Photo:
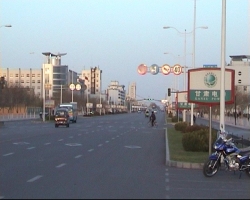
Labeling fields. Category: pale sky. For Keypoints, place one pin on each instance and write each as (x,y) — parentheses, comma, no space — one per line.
(119,35)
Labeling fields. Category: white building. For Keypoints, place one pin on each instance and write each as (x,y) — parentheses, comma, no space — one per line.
(27,78)
(241,65)
(131,91)
(56,76)
(116,93)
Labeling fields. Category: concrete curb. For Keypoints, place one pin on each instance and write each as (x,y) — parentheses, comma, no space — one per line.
(178,164)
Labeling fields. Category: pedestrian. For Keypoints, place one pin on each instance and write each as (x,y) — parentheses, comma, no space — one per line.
(194,118)
(152,118)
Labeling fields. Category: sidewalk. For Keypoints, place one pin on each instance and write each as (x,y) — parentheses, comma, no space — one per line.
(241,122)
(14,117)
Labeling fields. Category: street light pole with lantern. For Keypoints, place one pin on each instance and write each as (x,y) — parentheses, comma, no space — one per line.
(185,82)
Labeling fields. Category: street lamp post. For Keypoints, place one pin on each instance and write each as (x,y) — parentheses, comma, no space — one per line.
(7,26)
(185,33)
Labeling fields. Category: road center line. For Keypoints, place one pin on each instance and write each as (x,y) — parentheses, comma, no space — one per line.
(8,154)
(29,148)
(78,156)
(61,165)
(35,178)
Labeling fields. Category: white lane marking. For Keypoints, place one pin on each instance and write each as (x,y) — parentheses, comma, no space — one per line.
(8,154)
(133,147)
(113,138)
(61,165)
(35,178)
(117,136)
(107,141)
(29,148)
(47,143)
(100,145)
(79,156)
(90,150)
(21,143)
(60,140)
(70,136)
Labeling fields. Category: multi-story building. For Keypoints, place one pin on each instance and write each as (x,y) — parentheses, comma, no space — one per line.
(27,78)
(116,93)
(131,91)
(93,79)
(241,65)
(56,76)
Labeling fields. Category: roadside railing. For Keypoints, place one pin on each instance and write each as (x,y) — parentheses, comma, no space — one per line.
(240,140)
(8,117)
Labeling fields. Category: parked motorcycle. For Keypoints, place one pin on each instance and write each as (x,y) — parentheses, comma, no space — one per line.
(226,152)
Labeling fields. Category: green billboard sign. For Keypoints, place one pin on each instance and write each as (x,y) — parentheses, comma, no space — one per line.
(204,86)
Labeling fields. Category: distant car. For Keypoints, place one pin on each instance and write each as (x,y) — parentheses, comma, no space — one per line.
(147,113)
(62,117)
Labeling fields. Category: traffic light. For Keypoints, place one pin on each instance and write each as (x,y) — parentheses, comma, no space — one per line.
(149,99)
(169,92)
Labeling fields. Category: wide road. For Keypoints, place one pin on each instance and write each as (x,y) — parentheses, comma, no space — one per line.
(105,157)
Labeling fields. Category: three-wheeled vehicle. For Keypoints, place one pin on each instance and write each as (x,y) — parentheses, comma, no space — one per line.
(62,117)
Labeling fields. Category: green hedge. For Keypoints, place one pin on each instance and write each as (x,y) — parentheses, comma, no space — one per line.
(198,140)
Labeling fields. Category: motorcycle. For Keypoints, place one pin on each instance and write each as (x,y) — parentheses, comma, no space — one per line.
(234,158)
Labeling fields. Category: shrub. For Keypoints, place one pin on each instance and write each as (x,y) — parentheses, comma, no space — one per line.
(198,140)
(175,119)
(180,126)
(193,128)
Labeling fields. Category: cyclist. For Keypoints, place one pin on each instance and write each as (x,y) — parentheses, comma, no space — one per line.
(152,118)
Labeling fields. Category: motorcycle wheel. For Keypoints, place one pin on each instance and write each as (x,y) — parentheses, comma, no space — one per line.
(208,171)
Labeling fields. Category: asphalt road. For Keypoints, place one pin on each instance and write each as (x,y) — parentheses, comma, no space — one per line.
(105,157)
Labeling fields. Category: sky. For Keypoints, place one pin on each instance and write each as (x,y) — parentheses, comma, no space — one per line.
(119,35)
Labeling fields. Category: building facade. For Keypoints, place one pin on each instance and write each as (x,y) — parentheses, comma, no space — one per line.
(132,91)
(241,65)
(93,79)
(116,93)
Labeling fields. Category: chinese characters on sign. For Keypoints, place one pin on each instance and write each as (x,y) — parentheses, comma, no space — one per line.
(204,86)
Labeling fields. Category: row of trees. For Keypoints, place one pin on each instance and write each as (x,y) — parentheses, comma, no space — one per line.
(241,103)
(15,97)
